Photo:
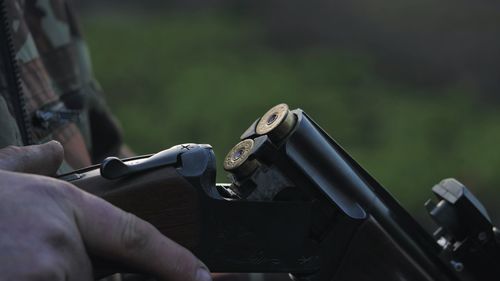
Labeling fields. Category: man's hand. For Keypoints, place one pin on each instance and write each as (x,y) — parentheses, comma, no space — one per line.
(49,229)
(43,159)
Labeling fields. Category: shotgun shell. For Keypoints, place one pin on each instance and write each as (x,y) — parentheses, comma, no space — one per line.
(276,123)
(237,162)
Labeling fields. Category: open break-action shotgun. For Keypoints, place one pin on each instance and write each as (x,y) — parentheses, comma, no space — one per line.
(297,203)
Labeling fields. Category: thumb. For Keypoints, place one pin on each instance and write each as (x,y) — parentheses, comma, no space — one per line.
(42,159)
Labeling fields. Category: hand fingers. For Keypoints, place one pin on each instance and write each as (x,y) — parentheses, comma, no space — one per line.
(115,235)
(42,159)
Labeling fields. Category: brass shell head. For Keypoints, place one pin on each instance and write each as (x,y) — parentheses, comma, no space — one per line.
(236,160)
(276,123)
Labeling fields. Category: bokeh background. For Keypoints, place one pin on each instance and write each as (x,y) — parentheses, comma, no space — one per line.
(410,89)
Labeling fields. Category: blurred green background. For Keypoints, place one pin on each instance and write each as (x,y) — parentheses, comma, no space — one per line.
(410,93)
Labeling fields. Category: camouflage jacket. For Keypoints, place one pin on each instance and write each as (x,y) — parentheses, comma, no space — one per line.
(58,95)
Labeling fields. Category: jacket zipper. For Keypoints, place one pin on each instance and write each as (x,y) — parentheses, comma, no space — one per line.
(12,76)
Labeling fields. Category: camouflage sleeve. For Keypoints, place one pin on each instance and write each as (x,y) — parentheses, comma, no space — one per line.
(61,93)
(104,133)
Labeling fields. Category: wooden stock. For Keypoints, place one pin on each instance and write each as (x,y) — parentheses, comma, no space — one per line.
(161,197)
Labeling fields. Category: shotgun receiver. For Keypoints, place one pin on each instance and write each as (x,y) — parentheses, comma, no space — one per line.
(297,203)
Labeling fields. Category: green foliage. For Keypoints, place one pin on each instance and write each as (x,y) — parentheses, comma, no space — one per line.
(206,79)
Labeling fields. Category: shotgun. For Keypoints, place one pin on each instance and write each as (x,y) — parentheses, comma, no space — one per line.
(297,203)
